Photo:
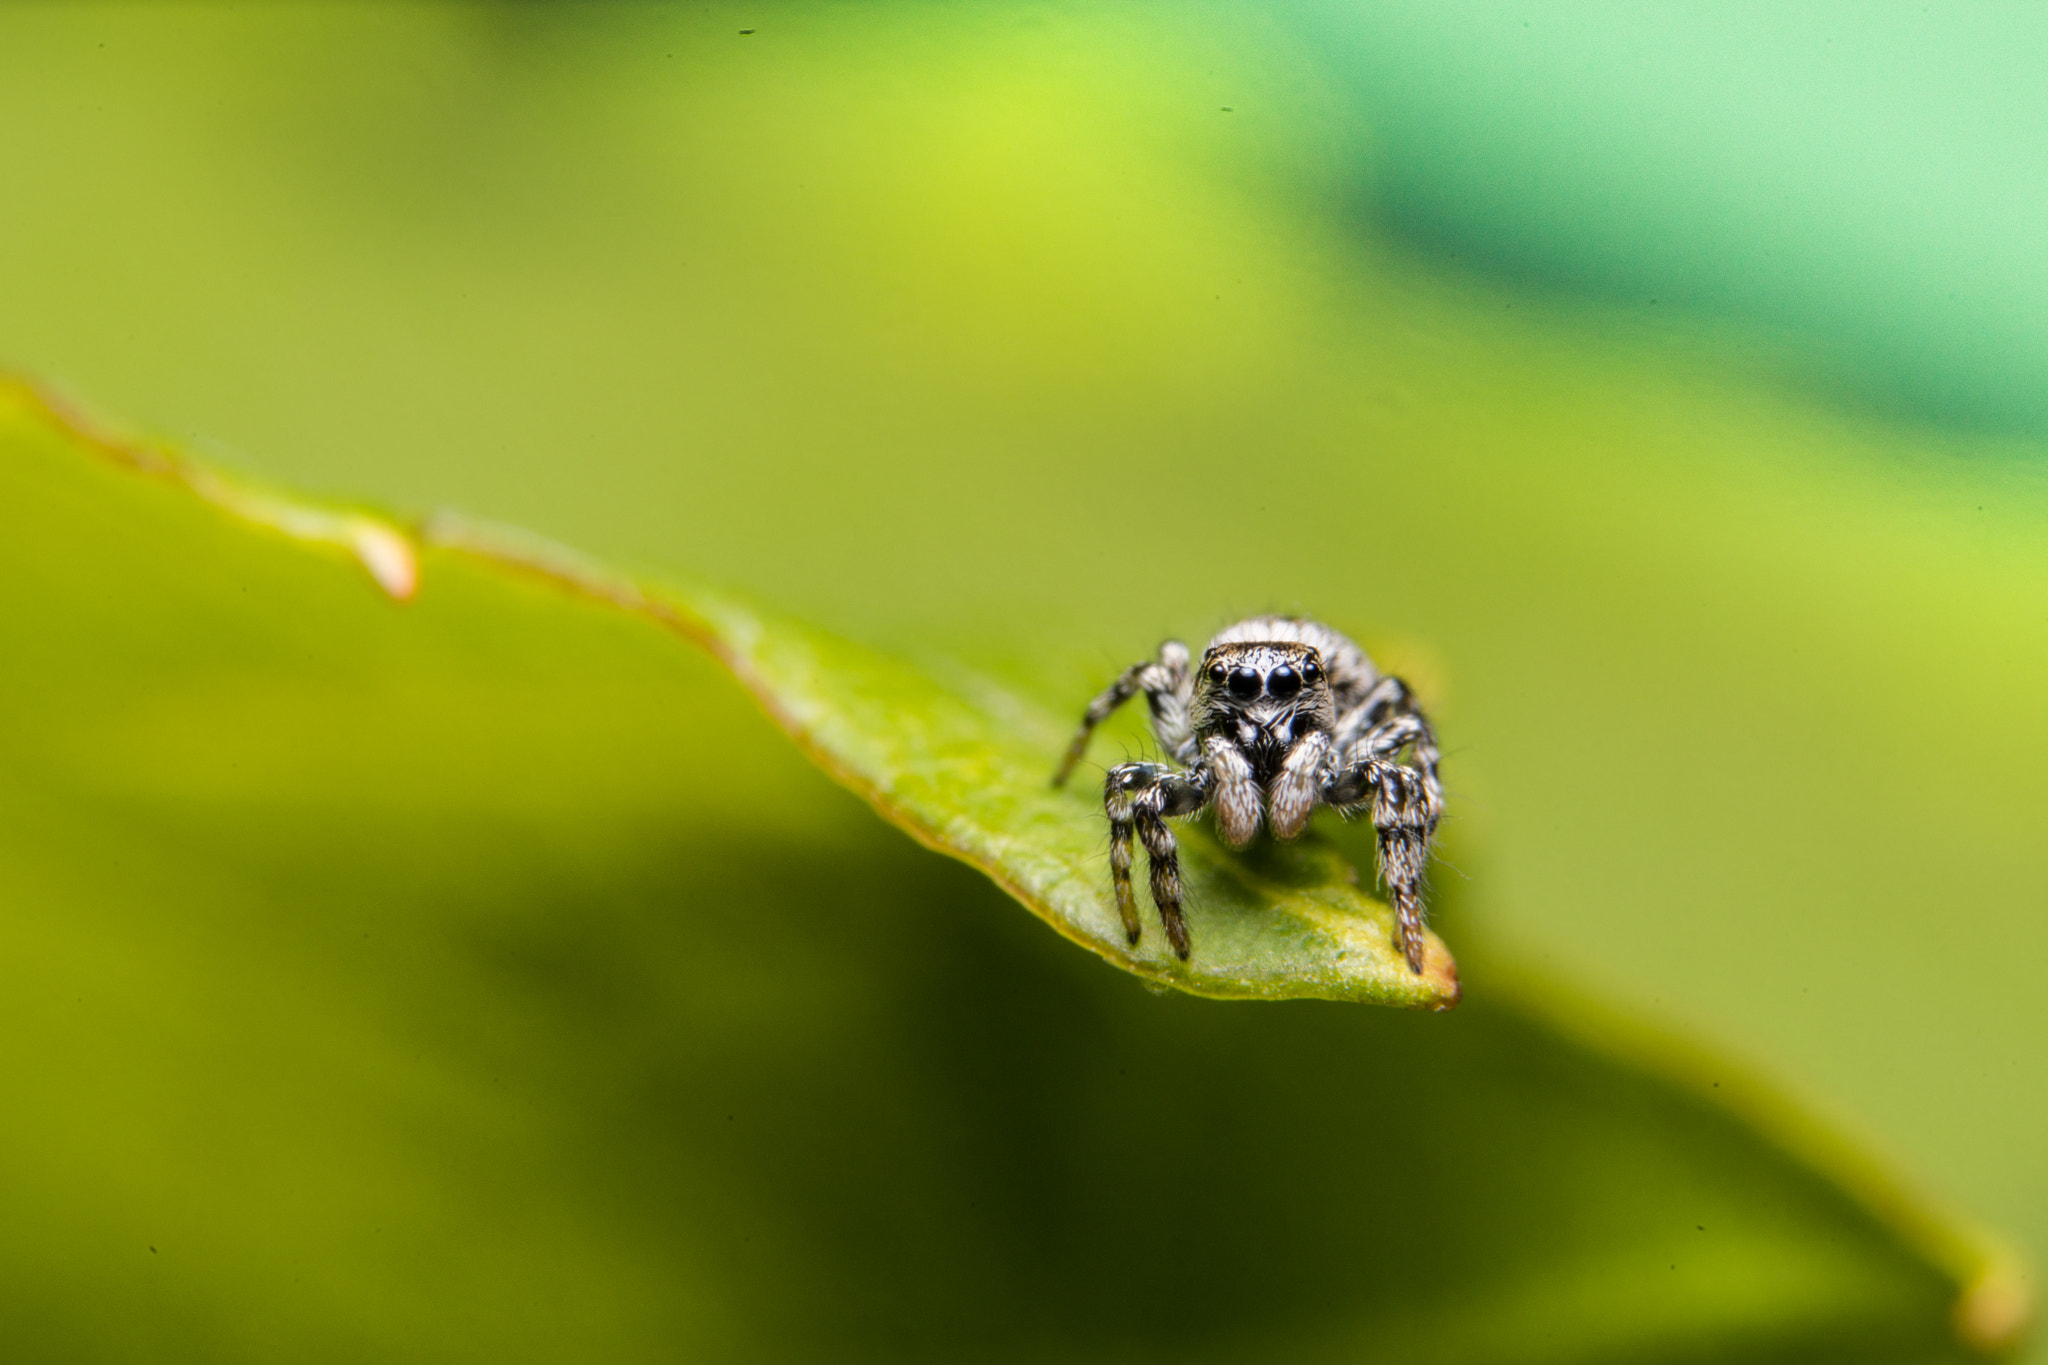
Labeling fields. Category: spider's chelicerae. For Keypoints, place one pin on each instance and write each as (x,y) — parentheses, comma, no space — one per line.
(1282,716)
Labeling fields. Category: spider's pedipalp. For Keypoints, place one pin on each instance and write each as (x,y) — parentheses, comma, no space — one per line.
(1298,787)
(1237,791)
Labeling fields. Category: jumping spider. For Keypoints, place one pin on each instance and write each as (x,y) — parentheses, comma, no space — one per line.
(1283,715)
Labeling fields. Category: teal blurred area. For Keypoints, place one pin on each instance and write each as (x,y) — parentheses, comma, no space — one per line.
(1657,387)
(1865,182)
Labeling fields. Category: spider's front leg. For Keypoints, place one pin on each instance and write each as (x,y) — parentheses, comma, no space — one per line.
(1168,689)
(1406,801)
(1138,797)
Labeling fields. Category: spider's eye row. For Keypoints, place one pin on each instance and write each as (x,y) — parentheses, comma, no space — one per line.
(1244,684)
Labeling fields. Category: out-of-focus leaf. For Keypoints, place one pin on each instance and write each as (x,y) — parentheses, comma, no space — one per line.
(481,978)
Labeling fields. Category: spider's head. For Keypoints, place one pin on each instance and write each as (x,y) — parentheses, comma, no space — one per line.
(1264,694)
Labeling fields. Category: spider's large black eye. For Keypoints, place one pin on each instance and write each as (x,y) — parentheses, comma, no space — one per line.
(1217,673)
(1283,682)
(1244,684)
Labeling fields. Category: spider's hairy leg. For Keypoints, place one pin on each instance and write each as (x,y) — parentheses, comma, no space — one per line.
(1137,798)
(1406,801)
(1173,722)
(1389,696)
(1166,685)
(1298,787)
(1404,828)
(1120,832)
(1164,857)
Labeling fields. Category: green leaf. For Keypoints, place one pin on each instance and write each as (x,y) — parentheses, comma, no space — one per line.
(482,978)
(961,763)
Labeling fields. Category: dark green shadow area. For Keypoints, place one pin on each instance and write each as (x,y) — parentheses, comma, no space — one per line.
(483,978)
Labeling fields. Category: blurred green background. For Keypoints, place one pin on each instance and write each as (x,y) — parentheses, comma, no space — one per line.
(1660,385)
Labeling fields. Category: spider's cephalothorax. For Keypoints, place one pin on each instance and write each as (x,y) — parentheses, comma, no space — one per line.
(1280,716)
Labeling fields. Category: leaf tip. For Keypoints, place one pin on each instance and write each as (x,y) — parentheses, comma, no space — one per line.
(1996,1307)
(386,555)
(384,551)
(1440,973)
